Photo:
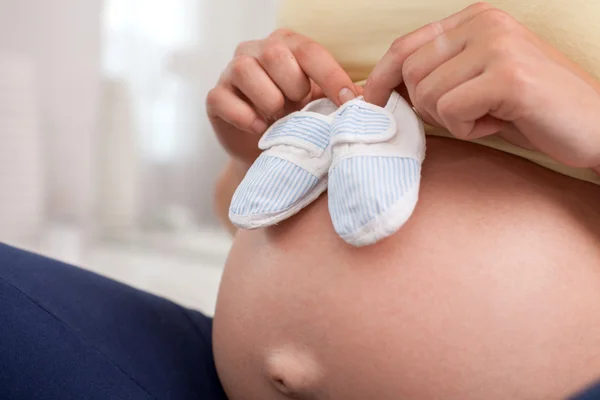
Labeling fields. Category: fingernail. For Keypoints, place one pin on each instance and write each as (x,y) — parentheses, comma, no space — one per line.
(346,95)
(259,126)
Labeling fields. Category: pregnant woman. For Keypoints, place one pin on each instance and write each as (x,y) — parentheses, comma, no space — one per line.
(492,289)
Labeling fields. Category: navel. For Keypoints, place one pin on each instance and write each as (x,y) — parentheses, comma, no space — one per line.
(295,372)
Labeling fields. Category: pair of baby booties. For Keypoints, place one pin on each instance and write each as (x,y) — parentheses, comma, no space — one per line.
(368,157)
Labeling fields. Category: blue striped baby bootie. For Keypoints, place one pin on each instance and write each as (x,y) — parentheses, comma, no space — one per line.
(291,172)
(375,174)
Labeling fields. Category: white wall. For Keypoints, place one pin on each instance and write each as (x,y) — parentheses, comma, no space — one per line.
(168,58)
(21,162)
(63,38)
(227,23)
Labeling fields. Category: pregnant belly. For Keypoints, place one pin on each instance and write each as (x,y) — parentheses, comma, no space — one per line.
(492,290)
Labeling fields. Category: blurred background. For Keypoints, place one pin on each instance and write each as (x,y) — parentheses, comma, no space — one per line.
(106,157)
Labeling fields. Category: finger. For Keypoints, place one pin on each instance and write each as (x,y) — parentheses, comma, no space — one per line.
(486,126)
(244,49)
(251,79)
(511,134)
(422,111)
(250,48)
(432,55)
(387,74)
(283,68)
(443,79)
(403,91)
(223,104)
(315,93)
(320,66)
(428,119)
(463,109)
(241,147)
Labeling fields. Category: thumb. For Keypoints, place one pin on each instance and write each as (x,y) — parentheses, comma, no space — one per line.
(317,93)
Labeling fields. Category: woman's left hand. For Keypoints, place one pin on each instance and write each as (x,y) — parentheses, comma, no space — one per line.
(480,72)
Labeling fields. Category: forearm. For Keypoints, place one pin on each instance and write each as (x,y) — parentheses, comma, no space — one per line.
(228,181)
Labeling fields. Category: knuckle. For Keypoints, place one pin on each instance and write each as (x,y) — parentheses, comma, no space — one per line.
(242,48)
(497,19)
(399,48)
(307,48)
(282,32)
(502,46)
(213,100)
(480,6)
(241,64)
(446,111)
(517,77)
(212,97)
(436,27)
(424,97)
(274,104)
(410,72)
(274,52)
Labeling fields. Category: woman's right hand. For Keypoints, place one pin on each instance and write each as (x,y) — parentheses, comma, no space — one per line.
(268,79)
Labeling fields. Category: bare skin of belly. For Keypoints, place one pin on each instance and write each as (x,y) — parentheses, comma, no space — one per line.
(491,291)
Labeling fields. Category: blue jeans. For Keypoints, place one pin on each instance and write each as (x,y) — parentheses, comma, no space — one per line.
(66,333)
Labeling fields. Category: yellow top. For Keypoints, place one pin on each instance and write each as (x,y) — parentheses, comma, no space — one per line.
(359,32)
